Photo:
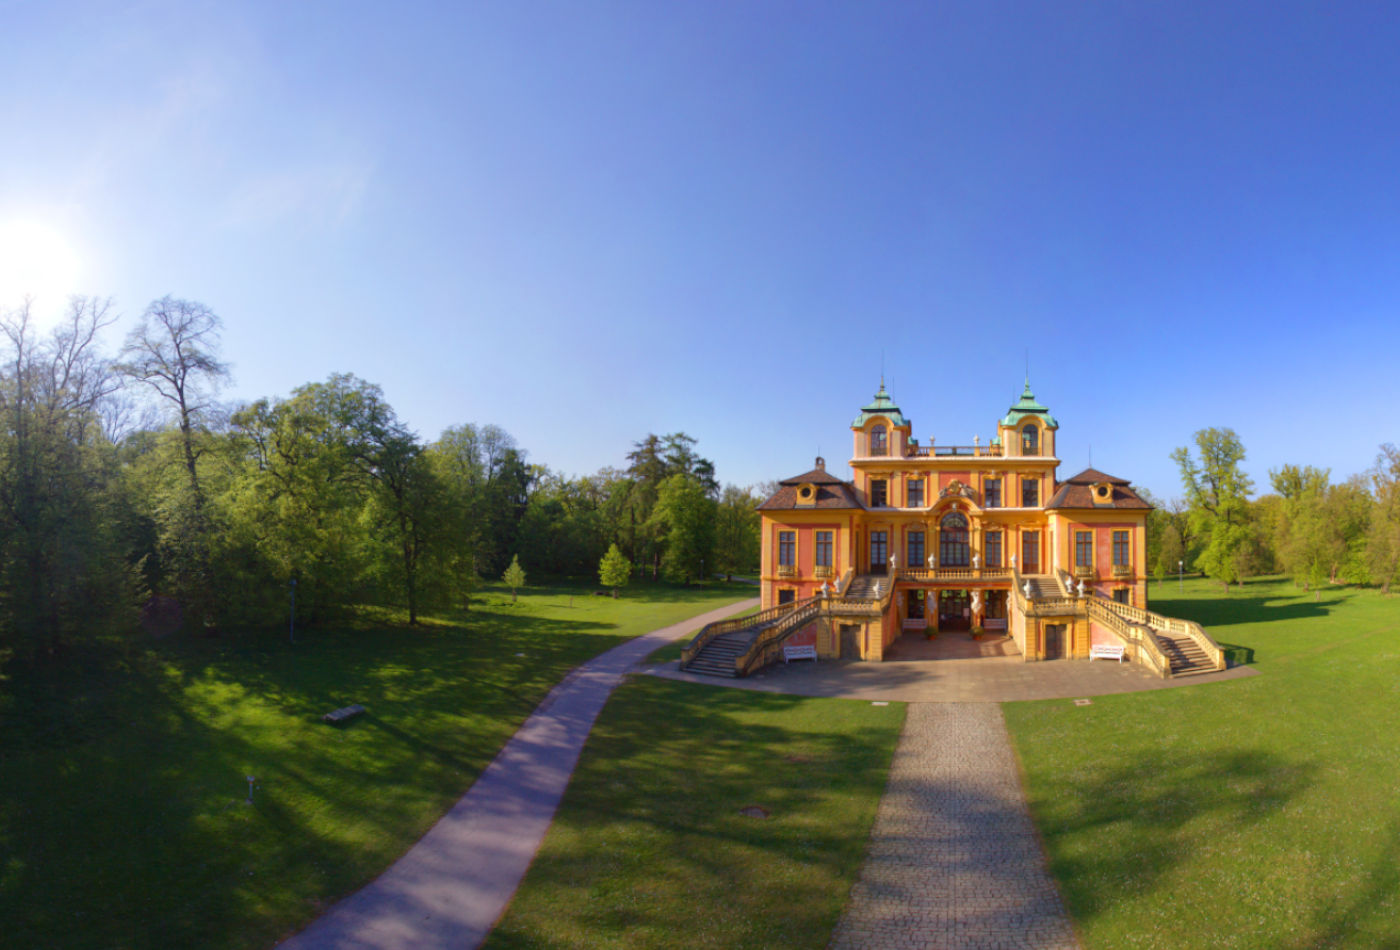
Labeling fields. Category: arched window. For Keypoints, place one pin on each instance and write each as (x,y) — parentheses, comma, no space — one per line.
(1030,440)
(878,444)
(952,541)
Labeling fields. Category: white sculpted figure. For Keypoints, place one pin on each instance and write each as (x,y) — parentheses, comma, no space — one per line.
(976,562)
(894,561)
(1028,590)
(1081,588)
(930,562)
(1013,560)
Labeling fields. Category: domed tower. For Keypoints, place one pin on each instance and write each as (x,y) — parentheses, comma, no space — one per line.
(881,429)
(1028,429)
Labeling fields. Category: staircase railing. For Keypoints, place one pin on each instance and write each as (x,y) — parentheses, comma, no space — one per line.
(1044,605)
(1142,644)
(733,625)
(764,647)
(1169,625)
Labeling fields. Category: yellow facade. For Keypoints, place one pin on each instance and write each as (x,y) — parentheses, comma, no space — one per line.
(938,534)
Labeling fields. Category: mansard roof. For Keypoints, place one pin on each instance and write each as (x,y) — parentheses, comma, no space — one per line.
(882,406)
(1078,492)
(1029,408)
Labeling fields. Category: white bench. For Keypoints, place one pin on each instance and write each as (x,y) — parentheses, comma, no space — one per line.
(809,652)
(1106,651)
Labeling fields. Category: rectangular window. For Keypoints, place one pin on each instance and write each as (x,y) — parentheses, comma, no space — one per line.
(993,549)
(1030,493)
(879,493)
(1030,552)
(991,490)
(916,549)
(787,548)
(823,549)
(1120,549)
(916,493)
(879,551)
(1124,595)
(1083,549)
(787,596)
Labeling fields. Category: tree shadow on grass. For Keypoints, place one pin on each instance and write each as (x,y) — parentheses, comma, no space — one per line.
(1234,609)
(651,847)
(1364,916)
(1113,832)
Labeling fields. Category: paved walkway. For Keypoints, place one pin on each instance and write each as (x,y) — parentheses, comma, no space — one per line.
(954,861)
(453,885)
(988,679)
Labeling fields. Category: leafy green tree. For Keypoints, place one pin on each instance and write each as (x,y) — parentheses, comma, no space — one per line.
(737,531)
(614,570)
(488,482)
(1217,492)
(684,523)
(651,462)
(63,575)
(514,577)
(1383,536)
(1306,540)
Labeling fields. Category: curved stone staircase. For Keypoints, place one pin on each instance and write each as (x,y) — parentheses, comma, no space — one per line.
(733,648)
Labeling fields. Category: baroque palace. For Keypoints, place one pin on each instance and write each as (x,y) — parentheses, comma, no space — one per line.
(934,540)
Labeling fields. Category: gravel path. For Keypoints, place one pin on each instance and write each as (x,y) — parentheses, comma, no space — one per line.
(954,861)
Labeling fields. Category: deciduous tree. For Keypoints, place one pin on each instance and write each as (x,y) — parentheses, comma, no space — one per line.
(514,577)
(614,570)
(1217,491)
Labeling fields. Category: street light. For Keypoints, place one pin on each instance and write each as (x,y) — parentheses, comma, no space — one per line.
(1179,565)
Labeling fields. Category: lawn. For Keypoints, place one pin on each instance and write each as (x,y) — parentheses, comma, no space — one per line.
(1261,812)
(649,847)
(122,782)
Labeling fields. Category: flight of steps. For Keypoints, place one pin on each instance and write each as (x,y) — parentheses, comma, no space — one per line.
(1186,656)
(1042,587)
(717,657)
(866,587)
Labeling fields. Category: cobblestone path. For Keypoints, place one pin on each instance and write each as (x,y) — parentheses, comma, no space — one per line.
(954,861)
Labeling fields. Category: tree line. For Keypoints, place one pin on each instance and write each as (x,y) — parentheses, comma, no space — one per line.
(128,490)
(1309,527)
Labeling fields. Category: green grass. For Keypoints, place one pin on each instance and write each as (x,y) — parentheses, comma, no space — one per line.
(122,822)
(649,848)
(1261,812)
(671,652)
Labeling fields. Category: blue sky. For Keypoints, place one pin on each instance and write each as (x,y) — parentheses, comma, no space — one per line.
(587,221)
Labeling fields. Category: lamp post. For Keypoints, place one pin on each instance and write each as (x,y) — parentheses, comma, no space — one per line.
(292,622)
(1179,565)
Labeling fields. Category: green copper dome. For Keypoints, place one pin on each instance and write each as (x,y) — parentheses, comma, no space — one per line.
(882,406)
(1029,407)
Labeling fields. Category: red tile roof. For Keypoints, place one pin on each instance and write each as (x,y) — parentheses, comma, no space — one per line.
(1078,492)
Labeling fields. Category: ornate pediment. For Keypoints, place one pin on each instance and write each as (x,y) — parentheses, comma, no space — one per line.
(956,489)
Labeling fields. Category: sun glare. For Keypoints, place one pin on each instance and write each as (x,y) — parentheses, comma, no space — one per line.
(36,260)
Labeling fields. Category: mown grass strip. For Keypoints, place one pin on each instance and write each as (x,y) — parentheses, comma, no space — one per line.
(650,847)
(1262,812)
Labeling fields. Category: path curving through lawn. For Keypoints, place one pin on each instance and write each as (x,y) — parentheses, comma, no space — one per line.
(453,885)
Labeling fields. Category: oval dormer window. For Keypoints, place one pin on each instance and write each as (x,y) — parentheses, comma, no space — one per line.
(1030,440)
(879,445)
(805,493)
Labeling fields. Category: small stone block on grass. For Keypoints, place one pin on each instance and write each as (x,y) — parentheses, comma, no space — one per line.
(342,714)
